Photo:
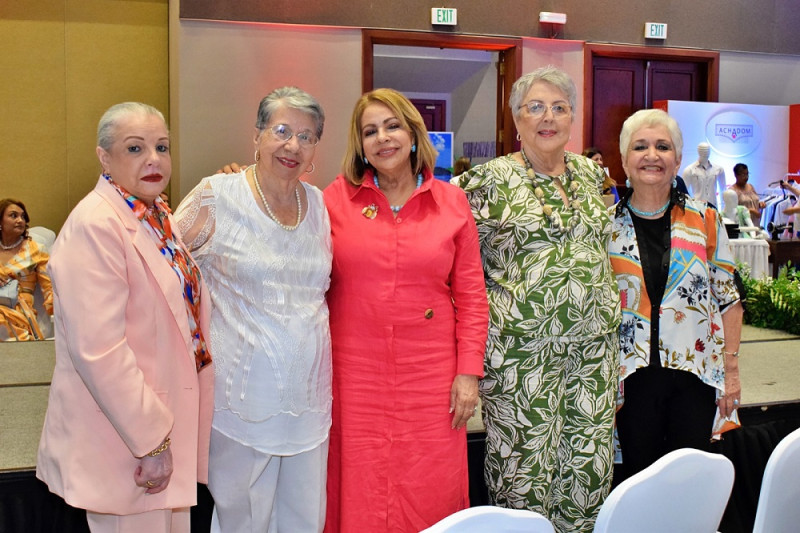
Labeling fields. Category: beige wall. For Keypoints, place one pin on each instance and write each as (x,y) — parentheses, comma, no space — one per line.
(64,62)
(226,68)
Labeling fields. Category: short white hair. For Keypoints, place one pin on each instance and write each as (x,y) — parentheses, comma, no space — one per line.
(649,118)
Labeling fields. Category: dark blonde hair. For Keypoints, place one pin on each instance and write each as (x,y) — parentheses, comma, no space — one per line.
(461,165)
(353,165)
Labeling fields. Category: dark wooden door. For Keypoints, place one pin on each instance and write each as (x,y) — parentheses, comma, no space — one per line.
(619,89)
(434,113)
(676,80)
(622,80)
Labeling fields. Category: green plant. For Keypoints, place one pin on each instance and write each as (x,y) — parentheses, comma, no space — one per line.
(773,303)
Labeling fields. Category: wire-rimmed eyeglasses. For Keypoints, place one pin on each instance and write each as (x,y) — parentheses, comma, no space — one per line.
(284,133)
(537,109)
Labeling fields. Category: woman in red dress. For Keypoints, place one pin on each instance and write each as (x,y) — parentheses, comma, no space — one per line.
(409,320)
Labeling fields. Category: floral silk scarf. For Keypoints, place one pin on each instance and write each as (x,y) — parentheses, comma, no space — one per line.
(156,220)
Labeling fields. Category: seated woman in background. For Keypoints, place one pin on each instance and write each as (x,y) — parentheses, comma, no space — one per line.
(609,185)
(23,264)
(461,165)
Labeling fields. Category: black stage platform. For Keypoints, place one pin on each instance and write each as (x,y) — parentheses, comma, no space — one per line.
(26,506)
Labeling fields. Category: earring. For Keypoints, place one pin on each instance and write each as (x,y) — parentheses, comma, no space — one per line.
(674,182)
(312,169)
(366,162)
(519,137)
(413,148)
(257,156)
(628,182)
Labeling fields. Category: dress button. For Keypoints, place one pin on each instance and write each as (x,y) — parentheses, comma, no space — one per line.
(398,220)
(429,313)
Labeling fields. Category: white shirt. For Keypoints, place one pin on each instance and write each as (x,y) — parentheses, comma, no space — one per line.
(705,182)
(270,338)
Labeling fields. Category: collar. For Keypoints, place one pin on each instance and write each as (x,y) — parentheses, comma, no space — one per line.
(139,208)
(426,187)
(676,198)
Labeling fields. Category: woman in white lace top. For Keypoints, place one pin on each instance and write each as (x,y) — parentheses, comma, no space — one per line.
(262,240)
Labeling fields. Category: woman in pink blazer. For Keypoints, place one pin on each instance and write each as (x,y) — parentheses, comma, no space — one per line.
(128,420)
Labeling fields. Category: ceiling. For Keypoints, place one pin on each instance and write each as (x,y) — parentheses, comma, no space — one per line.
(424,69)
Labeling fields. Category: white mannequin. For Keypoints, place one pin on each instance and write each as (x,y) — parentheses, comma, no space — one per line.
(705,180)
(729,202)
(732,212)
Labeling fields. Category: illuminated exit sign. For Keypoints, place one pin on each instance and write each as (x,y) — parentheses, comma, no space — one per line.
(443,16)
(655,30)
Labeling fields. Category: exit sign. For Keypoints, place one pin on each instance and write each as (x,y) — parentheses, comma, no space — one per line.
(443,16)
(655,30)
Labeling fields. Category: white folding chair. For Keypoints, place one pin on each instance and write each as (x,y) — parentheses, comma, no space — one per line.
(44,236)
(779,502)
(486,518)
(686,490)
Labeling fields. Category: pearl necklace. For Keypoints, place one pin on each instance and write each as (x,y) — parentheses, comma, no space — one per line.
(648,213)
(14,245)
(396,208)
(553,217)
(269,209)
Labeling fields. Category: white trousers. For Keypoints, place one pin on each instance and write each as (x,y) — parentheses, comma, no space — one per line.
(258,492)
(159,521)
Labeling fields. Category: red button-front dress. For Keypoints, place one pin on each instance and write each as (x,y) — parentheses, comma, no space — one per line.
(408,312)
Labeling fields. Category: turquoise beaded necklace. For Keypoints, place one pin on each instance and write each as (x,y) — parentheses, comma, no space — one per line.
(396,208)
(648,213)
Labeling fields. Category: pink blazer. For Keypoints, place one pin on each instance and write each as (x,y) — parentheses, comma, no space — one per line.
(125,375)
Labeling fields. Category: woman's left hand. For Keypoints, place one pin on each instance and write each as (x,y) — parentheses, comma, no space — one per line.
(733,388)
(463,399)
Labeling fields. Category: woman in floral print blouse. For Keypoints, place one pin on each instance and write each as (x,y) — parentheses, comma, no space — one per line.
(679,338)
(550,372)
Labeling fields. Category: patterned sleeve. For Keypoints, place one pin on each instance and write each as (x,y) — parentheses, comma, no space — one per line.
(44,280)
(477,184)
(721,265)
(196,216)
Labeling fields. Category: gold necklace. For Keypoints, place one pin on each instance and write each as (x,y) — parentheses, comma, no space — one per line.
(556,225)
(269,210)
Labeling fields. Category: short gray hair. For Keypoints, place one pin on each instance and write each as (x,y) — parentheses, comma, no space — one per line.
(549,74)
(106,128)
(649,118)
(293,98)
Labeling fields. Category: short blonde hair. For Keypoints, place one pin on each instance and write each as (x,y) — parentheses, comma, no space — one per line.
(353,165)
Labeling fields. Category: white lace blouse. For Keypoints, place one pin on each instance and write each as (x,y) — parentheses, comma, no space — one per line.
(270,338)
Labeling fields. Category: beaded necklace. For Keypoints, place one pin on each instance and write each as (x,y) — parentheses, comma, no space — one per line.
(396,208)
(648,213)
(571,186)
(269,209)
(13,245)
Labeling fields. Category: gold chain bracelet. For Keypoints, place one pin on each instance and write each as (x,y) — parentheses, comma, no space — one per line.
(161,449)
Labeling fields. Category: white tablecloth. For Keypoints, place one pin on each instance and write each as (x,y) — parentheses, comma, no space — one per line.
(753,252)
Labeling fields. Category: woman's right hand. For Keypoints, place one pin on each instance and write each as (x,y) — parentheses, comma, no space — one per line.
(154,473)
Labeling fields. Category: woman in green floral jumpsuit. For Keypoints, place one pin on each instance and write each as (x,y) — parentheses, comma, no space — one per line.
(549,390)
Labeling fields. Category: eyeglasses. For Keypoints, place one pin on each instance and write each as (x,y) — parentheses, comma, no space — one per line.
(284,133)
(537,109)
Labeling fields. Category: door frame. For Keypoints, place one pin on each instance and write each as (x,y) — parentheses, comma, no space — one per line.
(590,51)
(510,51)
